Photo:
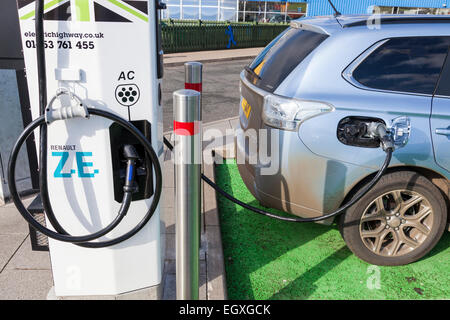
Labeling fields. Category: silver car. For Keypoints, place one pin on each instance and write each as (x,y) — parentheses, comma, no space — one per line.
(312,87)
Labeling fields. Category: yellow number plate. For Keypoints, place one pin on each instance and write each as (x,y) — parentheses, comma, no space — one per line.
(246,107)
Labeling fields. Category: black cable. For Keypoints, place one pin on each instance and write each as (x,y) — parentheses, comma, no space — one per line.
(168,144)
(40,55)
(339,211)
(29,217)
(42,85)
(60,233)
(43,186)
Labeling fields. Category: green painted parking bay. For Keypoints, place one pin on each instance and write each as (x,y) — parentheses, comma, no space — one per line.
(271,259)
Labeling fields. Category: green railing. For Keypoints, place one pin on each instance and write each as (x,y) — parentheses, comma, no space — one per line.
(197,35)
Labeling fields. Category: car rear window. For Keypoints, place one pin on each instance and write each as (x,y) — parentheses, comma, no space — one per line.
(443,87)
(404,65)
(281,56)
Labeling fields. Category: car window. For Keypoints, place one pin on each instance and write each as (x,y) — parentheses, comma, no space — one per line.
(405,65)
(443,87)
(281,56)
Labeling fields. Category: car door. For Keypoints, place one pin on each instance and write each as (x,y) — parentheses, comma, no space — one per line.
(395,77)
(440,118)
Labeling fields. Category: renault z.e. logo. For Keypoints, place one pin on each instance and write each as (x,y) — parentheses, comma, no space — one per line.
(82,165)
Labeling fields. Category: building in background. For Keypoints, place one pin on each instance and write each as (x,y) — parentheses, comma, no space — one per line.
(270,11)
(217,10)
(235,10)
(321,7)
(285,11)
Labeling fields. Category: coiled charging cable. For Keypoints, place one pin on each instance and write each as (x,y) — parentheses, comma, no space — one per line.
(46,117)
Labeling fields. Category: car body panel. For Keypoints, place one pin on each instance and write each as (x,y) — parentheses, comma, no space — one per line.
(440,130)
(440,119)
(316,171)
(319,183)
(320,133)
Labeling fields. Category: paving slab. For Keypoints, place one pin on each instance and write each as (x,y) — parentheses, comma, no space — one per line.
(9,244)
(217,289)
(168,174)
(170,267)
(11,222)
(167,195)
(170,246)
(209,200)
(25,284)
(218,137)
(170,287)
(214,134)
(170,284)
(27,259)
(234,122)
(169,218)
(221,125)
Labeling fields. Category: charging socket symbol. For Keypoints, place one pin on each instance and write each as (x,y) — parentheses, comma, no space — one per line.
(127,94)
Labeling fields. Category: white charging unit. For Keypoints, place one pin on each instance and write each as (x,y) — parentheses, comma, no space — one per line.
(108,53)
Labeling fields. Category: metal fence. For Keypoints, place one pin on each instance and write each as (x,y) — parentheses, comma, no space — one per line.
(197,35)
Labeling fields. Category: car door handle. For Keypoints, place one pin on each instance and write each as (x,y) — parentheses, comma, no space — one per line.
(444,132)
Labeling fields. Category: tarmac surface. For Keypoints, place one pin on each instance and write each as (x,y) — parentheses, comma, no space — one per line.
(220,90)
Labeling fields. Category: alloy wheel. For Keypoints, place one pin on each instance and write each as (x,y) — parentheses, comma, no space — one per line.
(396,223)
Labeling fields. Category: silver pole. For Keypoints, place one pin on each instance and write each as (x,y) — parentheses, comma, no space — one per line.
(187,132)
(285,12)
(193,75)
(265,11)
(193,79)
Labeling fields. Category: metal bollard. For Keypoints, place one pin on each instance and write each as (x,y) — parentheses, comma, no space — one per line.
(193,76)
(187,157)
(193,79)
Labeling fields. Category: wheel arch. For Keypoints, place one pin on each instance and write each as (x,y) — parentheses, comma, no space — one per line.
(441,182)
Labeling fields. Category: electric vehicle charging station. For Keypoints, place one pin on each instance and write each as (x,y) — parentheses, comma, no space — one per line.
(100,146)
(105,57)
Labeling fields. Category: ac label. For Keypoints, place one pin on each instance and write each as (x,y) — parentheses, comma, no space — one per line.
(126,75)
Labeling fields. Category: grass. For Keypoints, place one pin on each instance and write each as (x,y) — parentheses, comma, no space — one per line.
(271,259)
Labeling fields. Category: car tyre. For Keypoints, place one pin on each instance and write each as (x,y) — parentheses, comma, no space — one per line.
(376,231)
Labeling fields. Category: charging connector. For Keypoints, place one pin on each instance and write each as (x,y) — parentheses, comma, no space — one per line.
(379,130)
(131,156)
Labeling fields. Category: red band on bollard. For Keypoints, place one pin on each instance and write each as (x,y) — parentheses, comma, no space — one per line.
(185,128)
(193,86)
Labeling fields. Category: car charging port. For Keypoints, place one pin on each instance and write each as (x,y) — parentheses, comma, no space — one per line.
(359,132)
(379,131)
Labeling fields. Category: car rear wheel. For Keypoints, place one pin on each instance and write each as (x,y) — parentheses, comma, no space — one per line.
(398,222)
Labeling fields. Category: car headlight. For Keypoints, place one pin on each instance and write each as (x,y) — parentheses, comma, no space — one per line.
(288,113)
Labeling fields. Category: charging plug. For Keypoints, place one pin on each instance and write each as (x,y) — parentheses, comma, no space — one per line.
(379,130)
(131,156)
